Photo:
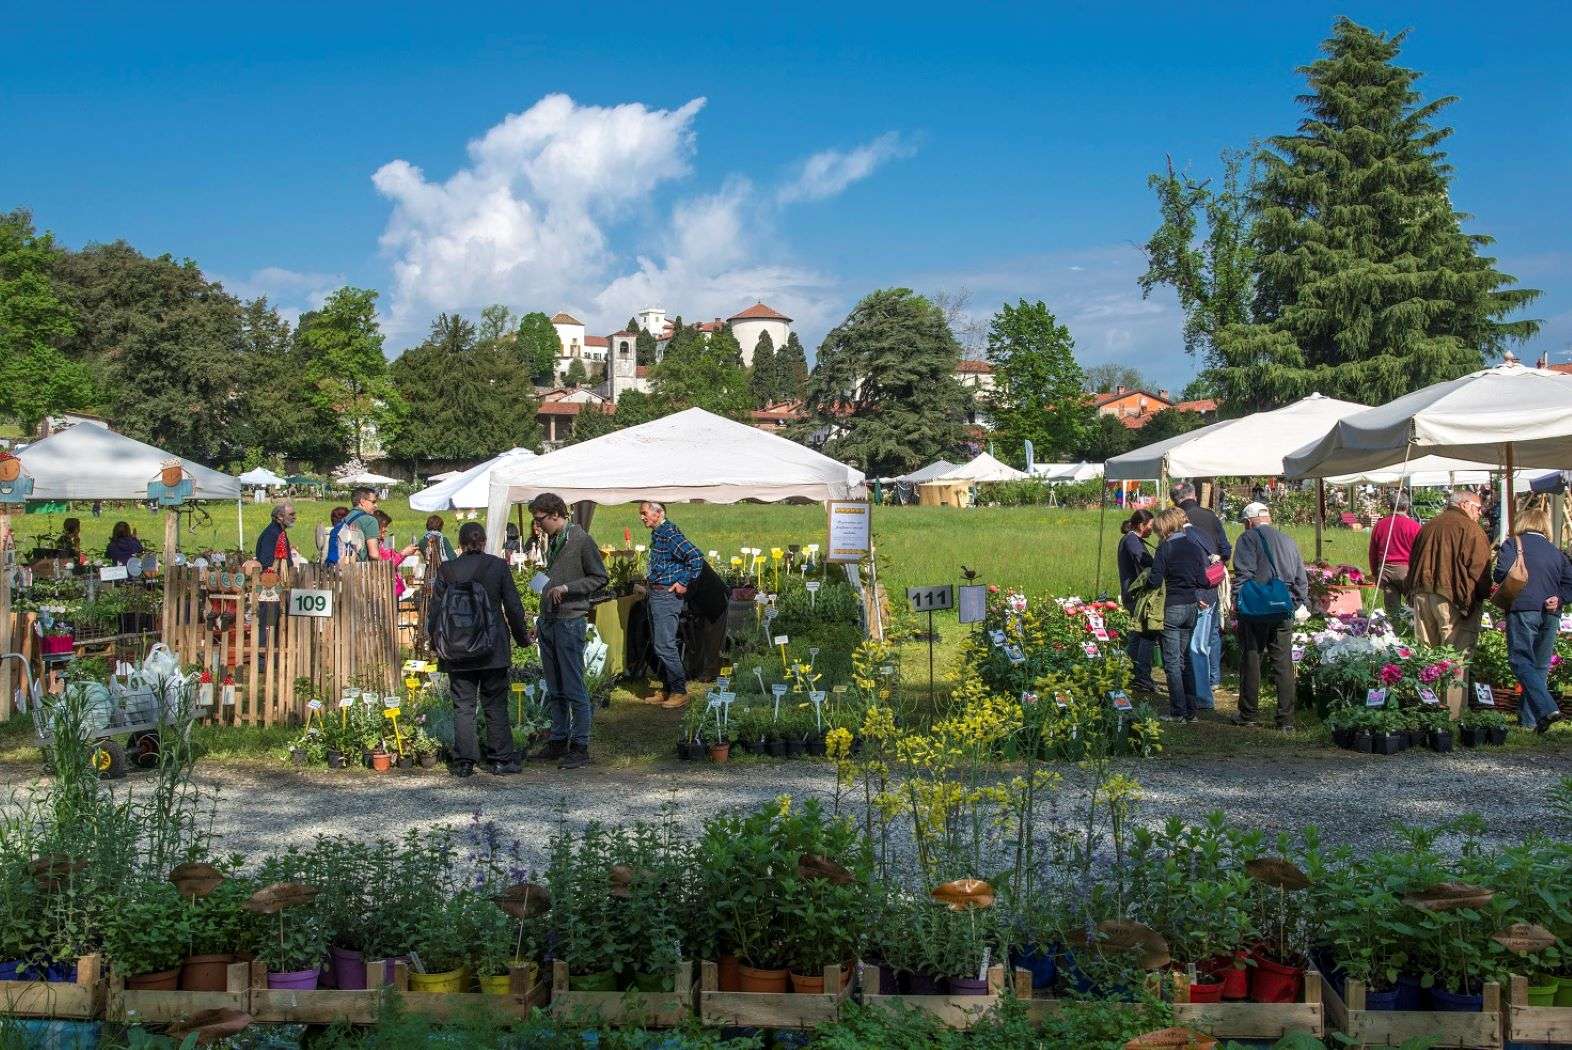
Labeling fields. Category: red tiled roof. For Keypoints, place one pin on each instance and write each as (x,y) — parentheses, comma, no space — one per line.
(1204,405)
(779,412)
(974,367)
(572,408)
(619,335)
(597,340)
(711,326)
(1109,396)
(760,312)
(565,319)
(1565,370)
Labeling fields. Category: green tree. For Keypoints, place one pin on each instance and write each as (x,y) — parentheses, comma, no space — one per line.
(496,322)
(1038,395)
(791,362)
(576,376)
(696,372)
(884,391)
(538,347)
(36,377)
(1367,286)
(278,416)
(1108,437)
(1170,422)
(1106,377)
(462,397)
(345,367)
(764,380)
(644,347)
(164,343)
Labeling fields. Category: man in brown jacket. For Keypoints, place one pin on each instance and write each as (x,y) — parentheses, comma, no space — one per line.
(1449,574)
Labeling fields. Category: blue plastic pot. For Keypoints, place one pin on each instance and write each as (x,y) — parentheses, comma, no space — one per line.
(1443,1001)
(1409,995)
(1386,1000)
(8,969)
(1039,963)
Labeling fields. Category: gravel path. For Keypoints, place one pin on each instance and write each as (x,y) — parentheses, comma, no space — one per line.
(1353,799)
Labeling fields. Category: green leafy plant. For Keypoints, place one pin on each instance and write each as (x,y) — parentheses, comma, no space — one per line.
(147,931)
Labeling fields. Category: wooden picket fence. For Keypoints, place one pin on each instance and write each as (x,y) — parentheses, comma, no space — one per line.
(229,627)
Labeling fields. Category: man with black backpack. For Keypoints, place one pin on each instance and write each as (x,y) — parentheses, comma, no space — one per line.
(474,607)
(1272,587)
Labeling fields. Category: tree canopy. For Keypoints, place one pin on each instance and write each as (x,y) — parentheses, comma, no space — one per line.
(1038,391)
(36,377)
(538,346)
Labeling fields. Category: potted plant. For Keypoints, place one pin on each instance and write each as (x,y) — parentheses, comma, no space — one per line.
(442,942)
(286,935)
(1280,921)
(58,639)
(425,747)
(585,930)
(743,861)
(1435,728)
(825,899)
(720,740)
(216,924)
(518,941)
(145,936)
(1478,728)
(960,934)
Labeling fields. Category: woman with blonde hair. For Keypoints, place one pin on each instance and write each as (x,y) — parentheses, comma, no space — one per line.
(1180,566)
(1534,618)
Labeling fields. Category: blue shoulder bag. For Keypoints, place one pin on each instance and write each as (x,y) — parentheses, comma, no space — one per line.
(1269,602)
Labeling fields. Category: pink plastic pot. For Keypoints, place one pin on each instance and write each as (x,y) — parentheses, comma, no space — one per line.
(57,644)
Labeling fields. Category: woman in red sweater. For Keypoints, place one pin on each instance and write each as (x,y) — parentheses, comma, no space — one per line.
(1391,542)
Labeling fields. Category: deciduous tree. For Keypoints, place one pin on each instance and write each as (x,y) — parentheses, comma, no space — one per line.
(345,366)
(538,347)
(36,377)
(1038,391)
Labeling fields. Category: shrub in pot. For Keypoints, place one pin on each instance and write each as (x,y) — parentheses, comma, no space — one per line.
(286,934)
(145,935)
(1281,918)
(956,942)
(824,896)
(744,861)
(442,942)
(217,923)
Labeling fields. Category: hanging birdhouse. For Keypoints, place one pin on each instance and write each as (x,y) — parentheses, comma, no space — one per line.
(15,487)
(172,487)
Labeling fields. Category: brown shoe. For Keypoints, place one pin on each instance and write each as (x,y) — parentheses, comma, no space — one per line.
(676,702)
(657,698)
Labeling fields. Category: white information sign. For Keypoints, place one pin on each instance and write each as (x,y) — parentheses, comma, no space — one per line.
(304,602)
(113,572)
(851,531)
(973,603)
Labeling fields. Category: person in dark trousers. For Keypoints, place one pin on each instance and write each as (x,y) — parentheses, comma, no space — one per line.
(1214,537)
(574,571)
(1180,563)
(123,544)
(1534,620)
(1264,554)
(1134,558)
(273,547)
(674,565)
(481,680)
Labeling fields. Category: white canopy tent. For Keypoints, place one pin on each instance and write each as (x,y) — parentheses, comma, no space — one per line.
(1508,416)
(445,475)
(261,478)
(366,477)
(1057,472)
(1251,446)
(938,468)
(689,455)
(984,468)
(469,488)
(90,461)
(1434,472)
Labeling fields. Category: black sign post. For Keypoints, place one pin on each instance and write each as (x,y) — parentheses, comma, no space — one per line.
(931,600)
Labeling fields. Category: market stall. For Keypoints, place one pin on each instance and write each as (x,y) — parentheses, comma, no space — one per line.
(466,489)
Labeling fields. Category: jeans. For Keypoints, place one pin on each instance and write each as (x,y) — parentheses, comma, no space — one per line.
(1217,651)
(1531,641)
(665,611)
(562,660)
(1139,647)
(490,689)
(1178,625)
(1205,648)
(1277,641)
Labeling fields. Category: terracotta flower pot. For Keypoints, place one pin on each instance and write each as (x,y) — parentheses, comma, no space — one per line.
(205,973)
(161,981)
(754,980)
(381,762)
(719,753)
(726,971)
(807,985)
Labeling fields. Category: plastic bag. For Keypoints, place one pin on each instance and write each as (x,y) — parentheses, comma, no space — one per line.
(595,650)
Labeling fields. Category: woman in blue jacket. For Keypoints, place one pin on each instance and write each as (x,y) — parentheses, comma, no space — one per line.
(1134,559)
(1535,617)
(1180,563)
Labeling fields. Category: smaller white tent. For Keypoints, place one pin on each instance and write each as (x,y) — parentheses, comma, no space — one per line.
(1472,418)
(1057,472)
(984,468)
(366,477)
(468,488)
(261,478)
(1434,472)
(90,461)
(937,469)
(689,455)
(445,475)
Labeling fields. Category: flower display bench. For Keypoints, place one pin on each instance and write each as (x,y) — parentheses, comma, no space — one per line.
(770,1009)
(1254,1021)
(952,1011)
(646,1009)
(125,1006)
(1535,1024)
(80,1000)
(526,991)
(1469,1031)
(317,1006)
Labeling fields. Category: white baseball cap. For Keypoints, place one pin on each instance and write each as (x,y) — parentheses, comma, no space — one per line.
(1255,510)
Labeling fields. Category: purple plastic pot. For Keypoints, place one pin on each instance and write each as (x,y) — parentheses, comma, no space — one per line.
(296,981)
(922,984)
(968,986)
(349,968)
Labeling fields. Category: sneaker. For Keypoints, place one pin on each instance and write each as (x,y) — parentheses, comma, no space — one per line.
(1241,720)
(676,702)
(1170,718)
(575,758)
(551,751)
(657,698)
(462,769)
(503,769)
(1192,720)
(1543,725)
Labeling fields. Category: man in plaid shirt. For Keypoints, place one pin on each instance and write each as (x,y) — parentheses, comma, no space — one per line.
(674,565)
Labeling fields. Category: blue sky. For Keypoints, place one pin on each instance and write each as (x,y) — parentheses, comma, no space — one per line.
(602,158)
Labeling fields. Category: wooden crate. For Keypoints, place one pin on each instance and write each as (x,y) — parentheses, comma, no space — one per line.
(137,1007)
(953,1011)
(1259,1021)
(82,1000)
(646,1009)
(319,1006)
(526,991)
(1535,1024)
(770,1009)
(1481,1031)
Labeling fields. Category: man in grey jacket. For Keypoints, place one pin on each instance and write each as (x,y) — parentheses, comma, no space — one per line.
(574,571)
(1264,554)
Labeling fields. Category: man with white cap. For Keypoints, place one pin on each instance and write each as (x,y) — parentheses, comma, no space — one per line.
(1263,555)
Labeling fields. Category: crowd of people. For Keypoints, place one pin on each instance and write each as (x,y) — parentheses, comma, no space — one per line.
(1174,580)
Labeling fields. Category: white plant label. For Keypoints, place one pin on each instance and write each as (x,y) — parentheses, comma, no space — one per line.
(1091,650)
(1100,634)
(229,694)
(346,701)
(1428,696)
(997,636)
(1483,695)
(779,689)
(313,705)
(1298,653)
(113,572)
(813,586)
(781,639)
(1014,654)
(1062,699)
(310,603)
(1121,700)
(1375,698)
(1094,621)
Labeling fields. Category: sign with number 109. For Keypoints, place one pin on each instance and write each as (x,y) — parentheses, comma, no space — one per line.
(310,603)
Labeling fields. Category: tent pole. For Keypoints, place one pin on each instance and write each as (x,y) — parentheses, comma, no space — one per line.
(1508,515)
(5,613)
(240,525)
(1320,514)
(1102,517)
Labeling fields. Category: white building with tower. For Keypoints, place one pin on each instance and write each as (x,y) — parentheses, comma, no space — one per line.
(757,319)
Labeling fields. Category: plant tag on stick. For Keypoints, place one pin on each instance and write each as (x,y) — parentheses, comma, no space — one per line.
(1100,634)
(1121,700)
(1014,655)
(1428,696)
(1375,698)
(1091,650)
(1483,695)
(1062,699)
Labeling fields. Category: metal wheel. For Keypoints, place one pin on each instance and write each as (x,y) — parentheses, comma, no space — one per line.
(109,758)
(143,748)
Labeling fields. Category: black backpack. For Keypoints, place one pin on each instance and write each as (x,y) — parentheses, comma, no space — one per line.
(465,628)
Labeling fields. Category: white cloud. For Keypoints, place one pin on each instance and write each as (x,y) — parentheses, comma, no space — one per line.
(829,172)
(544,212)
(291,292)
